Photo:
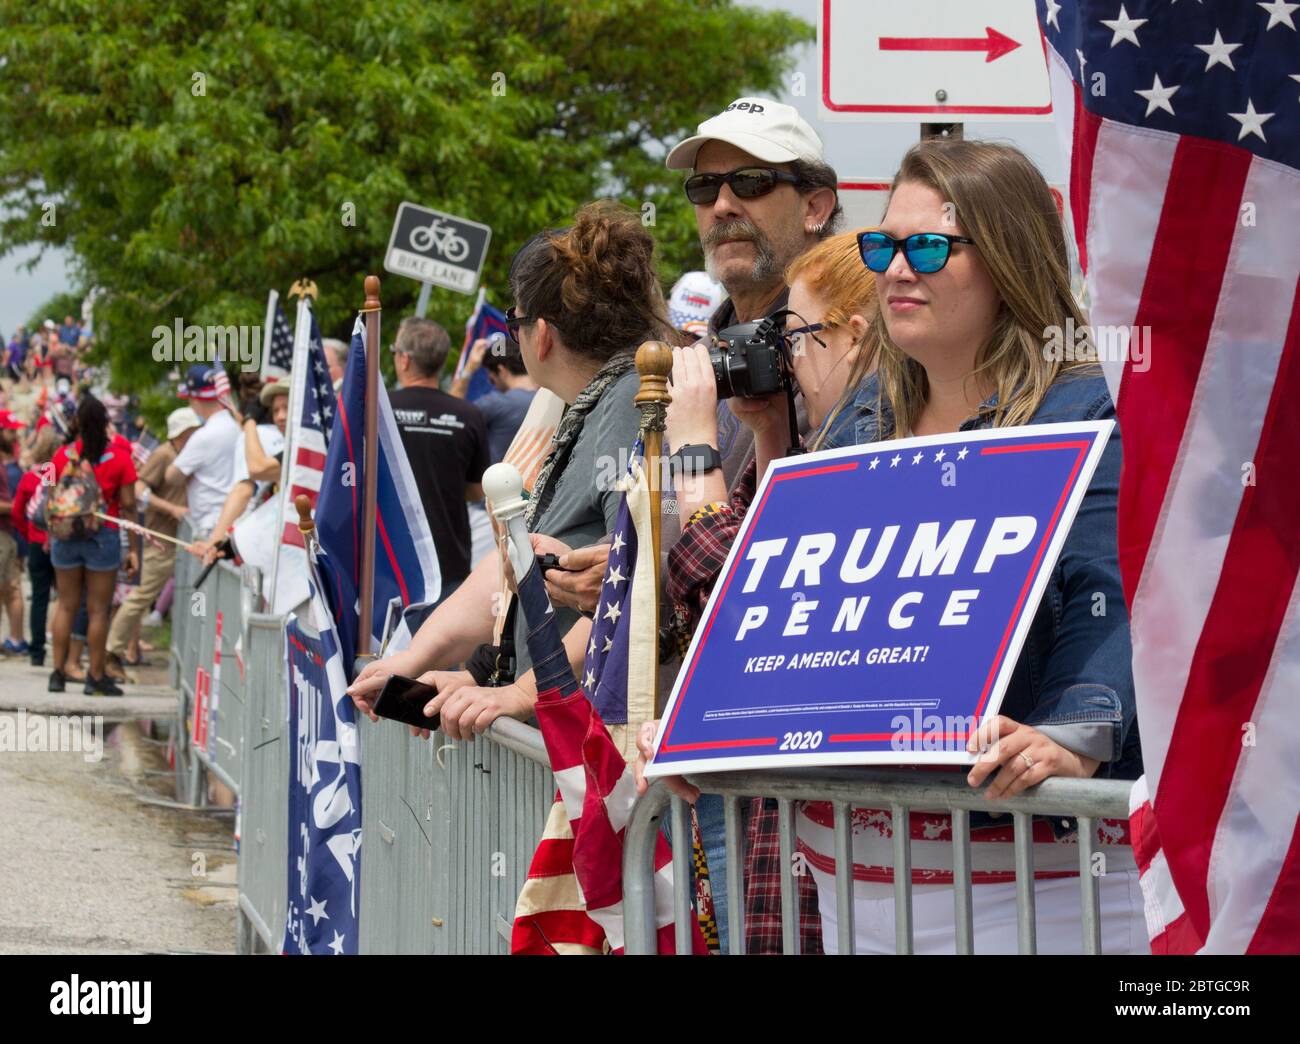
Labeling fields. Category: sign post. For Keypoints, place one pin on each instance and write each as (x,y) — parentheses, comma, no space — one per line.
(438,249)
(876,599)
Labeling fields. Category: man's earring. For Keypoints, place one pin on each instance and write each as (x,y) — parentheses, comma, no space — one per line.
(816,230)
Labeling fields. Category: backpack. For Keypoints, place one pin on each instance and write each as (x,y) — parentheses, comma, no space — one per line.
(67,509)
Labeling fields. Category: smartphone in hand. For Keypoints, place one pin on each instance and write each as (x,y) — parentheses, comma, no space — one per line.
(403,699)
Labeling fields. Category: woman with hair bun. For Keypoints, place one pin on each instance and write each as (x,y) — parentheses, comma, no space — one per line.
(585,298)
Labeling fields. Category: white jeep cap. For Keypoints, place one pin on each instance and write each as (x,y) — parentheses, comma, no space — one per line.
(768,130)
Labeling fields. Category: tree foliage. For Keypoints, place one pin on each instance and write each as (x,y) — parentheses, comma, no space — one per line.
(197,154)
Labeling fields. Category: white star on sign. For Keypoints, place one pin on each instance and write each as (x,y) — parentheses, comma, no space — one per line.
(962,454)
(615,577)
(618,543)
(917,458)
(1124,27)
(1158,97)
(613,612)
(875,462)
(1279,13)
(1252,122)
(1053,9)
(893,461)
(317,910)
(336,944)
(1220,53)
(939,456)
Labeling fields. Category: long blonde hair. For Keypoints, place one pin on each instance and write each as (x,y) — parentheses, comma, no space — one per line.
(1003,203)
(834,272)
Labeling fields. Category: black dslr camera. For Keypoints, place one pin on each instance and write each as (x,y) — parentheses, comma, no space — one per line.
(751,359)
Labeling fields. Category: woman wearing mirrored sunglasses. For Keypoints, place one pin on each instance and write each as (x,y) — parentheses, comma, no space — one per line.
(973,275)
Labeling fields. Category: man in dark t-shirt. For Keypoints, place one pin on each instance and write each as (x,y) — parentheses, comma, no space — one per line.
(446,442)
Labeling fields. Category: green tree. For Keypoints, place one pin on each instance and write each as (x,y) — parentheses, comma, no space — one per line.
(193,155)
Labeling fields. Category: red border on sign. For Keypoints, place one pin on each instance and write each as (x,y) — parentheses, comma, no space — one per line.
(949,110)
(1082,448)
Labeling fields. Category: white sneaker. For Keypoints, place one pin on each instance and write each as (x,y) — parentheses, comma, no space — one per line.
(153,619)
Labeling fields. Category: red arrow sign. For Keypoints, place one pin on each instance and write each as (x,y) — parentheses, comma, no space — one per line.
(996,44)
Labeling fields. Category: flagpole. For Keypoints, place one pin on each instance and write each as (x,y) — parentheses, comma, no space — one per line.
(654,362)
(267,327)
(295,377)
(366,588)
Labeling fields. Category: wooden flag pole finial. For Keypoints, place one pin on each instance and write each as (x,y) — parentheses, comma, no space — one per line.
(372,294)
(305,524)
(654,362)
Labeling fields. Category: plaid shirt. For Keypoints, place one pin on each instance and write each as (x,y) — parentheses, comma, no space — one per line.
(694,564)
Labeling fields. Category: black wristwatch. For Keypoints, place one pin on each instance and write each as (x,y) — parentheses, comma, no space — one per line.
(695,460)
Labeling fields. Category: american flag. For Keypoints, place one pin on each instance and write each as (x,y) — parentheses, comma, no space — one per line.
(484,321)
(572,901)
(279,360)
(315,393)
(1182,123)
(142,449)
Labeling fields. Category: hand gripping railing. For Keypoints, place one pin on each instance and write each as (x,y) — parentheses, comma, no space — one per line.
(900,790)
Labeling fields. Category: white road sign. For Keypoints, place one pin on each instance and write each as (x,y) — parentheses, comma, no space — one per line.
(932,61)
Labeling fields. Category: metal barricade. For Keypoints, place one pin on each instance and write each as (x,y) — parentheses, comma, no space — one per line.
(450,829)
(264,793)
(902,792)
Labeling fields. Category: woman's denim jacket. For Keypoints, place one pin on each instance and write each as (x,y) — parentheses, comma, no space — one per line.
(1074,678)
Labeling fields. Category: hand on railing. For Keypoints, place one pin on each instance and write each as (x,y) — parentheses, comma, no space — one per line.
(468,709)
(1023,756)
(365,687)
(645,747)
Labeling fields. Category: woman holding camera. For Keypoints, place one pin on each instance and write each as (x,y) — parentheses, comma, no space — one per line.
(972,275)
(585,298)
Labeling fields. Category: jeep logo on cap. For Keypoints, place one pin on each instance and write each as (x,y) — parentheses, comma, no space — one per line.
(751,107)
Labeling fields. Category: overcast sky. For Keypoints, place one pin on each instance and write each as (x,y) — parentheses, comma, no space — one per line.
(858,151)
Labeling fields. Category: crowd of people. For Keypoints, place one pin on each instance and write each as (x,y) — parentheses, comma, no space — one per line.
(933,322)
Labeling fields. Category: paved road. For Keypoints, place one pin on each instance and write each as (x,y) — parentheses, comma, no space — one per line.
(86,866)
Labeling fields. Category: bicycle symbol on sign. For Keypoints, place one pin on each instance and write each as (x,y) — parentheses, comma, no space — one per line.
(443,239)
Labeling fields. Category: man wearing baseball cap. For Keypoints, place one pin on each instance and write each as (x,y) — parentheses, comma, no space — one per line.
(763,194)
(207,462)
(161,495)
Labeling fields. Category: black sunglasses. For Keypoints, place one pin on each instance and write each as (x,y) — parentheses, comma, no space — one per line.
(513,322)
(745,182)
(926,252)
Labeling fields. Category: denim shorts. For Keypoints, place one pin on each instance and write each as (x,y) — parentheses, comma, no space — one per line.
(100,553)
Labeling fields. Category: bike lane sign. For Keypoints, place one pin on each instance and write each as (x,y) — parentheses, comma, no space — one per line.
(437,248)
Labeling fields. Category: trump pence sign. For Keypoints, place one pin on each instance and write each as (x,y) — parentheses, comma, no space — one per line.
(875,600)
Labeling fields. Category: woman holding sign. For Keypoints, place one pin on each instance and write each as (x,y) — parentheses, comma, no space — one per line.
(973,281)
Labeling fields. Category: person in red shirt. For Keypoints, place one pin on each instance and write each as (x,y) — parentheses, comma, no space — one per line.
(92,562)
(39,570)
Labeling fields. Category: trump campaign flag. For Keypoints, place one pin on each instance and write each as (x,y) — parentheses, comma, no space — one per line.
(324,791)
(1182,125)
(572,901)
(406,565)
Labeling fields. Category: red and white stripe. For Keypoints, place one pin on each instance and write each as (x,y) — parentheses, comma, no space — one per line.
(1209,513)
(573,899)
(306,471)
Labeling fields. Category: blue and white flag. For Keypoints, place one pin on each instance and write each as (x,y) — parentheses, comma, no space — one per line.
(406,563)
(484,322)
(324,792)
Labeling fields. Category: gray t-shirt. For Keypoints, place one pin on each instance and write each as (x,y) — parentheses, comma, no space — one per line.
(584,506)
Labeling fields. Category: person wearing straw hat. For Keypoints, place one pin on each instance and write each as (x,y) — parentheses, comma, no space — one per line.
(163,502)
